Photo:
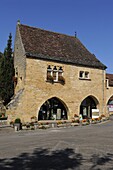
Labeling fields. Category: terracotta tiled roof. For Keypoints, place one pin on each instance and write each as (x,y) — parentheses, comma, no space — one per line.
(57,47)
(110,77)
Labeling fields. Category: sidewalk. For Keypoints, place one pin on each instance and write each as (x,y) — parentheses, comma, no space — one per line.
(6,129)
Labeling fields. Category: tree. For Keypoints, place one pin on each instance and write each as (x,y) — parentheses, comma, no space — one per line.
(1,55)
(7,73)
(8,49)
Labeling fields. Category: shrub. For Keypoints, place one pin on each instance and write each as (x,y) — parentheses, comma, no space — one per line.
(17,120)
(31,124)
(59,122)
(28,125)
(75,121)
(84,120)
(102,115)
(33,117)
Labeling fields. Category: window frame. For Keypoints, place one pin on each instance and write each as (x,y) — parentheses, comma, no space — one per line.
(55,75)
(81,74)
(49,73)
(84,75)
(107,83)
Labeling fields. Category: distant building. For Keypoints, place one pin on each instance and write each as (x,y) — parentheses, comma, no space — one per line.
(56,77)
(109,93)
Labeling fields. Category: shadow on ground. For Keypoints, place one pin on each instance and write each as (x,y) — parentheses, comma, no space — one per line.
(44,159)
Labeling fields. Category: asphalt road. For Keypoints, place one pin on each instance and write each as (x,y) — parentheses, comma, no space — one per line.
(80,148)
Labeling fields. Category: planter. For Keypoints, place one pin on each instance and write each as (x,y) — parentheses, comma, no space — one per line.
(35,125)
(85,123)
(53,125)
(61,125)
(103,119)
(75,124)
(93,122)
(24,127)
(43,126)
(98,121)
(17,126)
(68,124)
(46,126)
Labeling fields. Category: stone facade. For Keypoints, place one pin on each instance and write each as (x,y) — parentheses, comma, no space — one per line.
(31,76)
(37,90)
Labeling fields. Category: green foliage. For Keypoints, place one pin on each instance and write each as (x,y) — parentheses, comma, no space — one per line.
(8,49)
(17,120)
(7,73)
(1,55)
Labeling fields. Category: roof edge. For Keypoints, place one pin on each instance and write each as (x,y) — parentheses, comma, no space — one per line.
(42,57)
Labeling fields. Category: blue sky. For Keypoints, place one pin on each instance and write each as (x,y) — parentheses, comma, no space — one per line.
(91,19)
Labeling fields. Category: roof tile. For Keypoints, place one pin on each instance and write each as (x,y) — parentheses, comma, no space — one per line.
(48,45)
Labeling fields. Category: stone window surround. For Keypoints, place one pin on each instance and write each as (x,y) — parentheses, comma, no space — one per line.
(55,71)
(84,75)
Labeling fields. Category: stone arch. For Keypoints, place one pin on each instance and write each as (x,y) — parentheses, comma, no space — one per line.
(88,103)
(110,105)
(110,100)
(53,109)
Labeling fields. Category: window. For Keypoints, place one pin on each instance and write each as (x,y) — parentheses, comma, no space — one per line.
(81,74)
(60,73)
(49,74)
(107,83)
(111,82)
(60,76)
(55,74)
(84,75)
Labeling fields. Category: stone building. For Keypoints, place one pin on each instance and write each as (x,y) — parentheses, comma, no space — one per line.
(56,77)
(109,93)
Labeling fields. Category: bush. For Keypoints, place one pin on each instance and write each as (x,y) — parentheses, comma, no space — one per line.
(2,115)
(28,125)
(17,120)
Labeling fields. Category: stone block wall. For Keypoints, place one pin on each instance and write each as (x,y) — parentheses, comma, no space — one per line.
(19,61)
(37,90)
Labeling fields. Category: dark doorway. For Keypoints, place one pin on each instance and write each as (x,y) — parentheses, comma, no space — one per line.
(86,107)
(52,109)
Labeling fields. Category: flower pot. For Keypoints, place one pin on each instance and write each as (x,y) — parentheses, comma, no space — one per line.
(17,126)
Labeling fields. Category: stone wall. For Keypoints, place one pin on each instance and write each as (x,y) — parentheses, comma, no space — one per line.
(37,90)
(19,61)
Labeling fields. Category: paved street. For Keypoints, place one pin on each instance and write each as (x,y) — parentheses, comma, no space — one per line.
(79,148)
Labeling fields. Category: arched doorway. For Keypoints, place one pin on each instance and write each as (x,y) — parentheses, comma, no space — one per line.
(87,105)
(110,105)
(52,109)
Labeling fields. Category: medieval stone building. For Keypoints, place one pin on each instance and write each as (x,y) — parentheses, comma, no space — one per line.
(56,77)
